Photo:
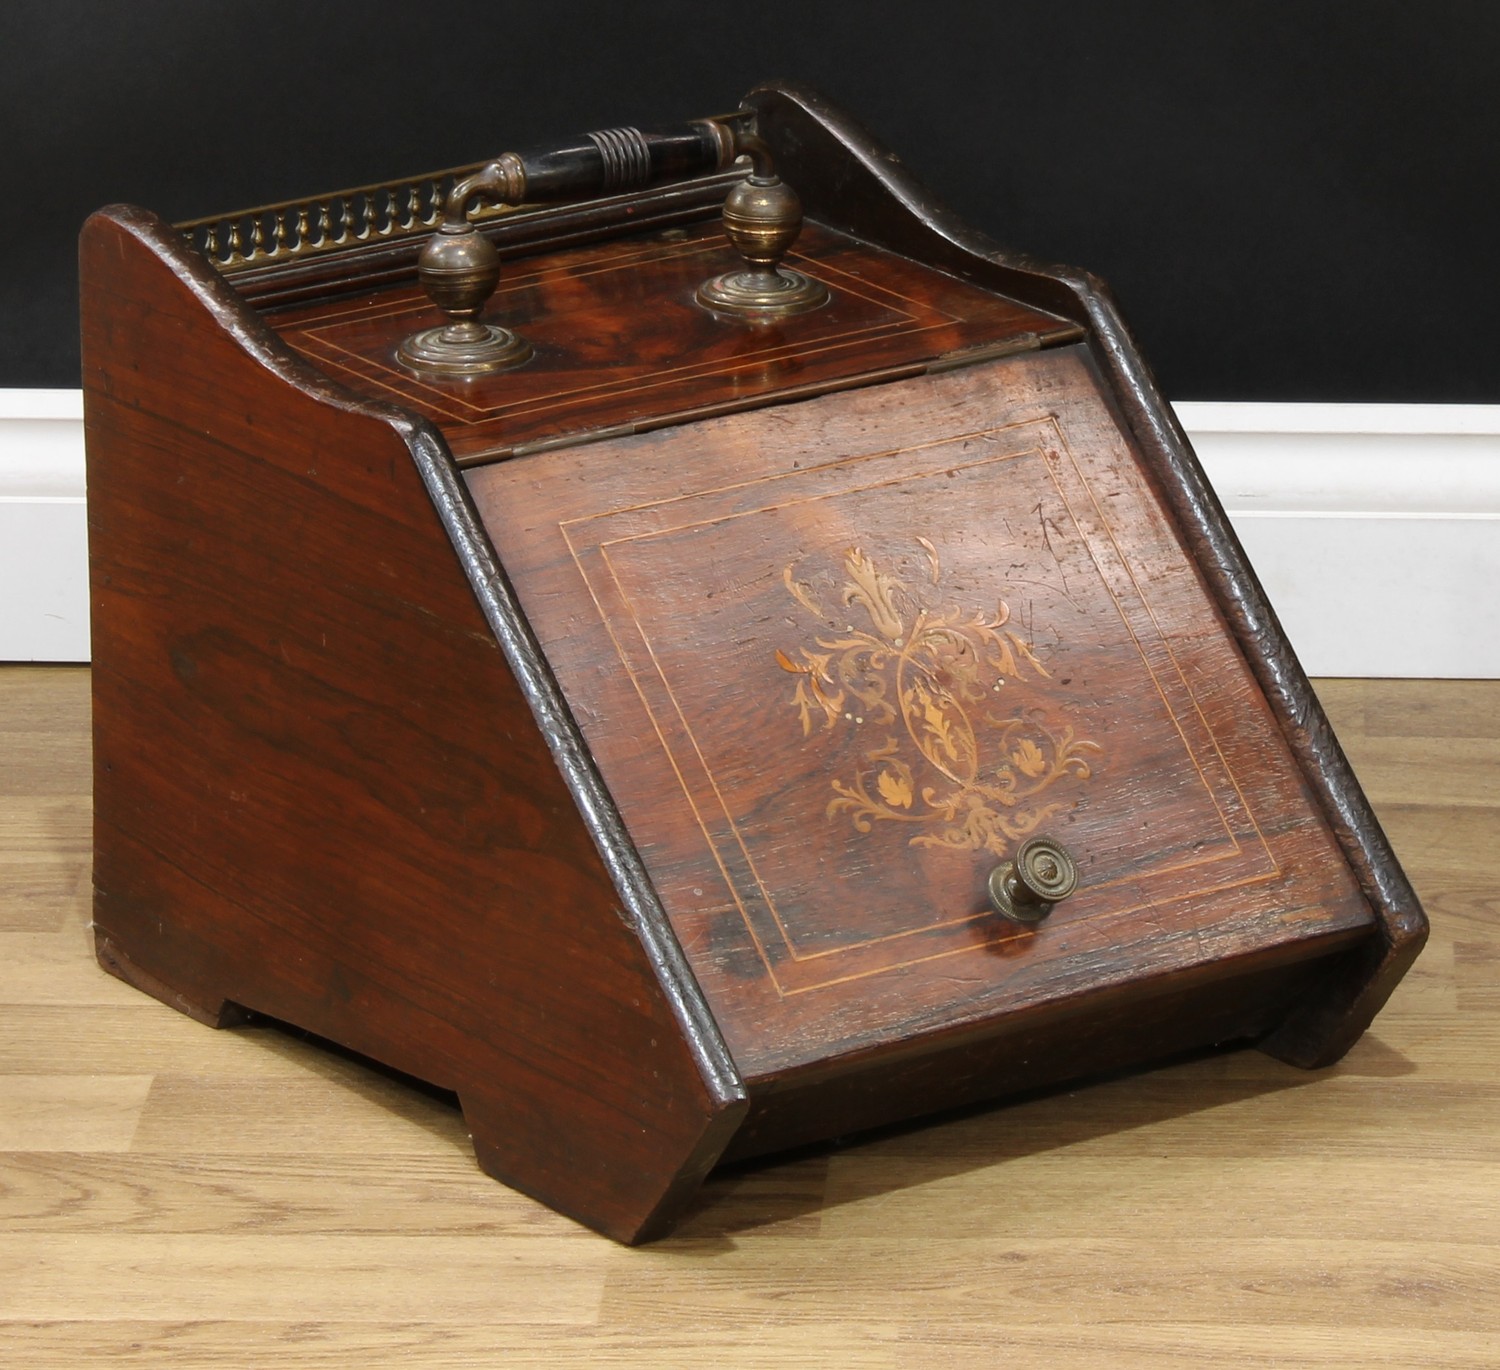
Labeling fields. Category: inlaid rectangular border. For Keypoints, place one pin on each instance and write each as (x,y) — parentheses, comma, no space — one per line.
(788,971)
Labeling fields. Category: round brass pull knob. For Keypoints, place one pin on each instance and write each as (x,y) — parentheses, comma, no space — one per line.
(1042,874)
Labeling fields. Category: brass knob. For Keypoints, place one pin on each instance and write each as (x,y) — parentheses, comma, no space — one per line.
(459,269)
(762,218)
(1042,874)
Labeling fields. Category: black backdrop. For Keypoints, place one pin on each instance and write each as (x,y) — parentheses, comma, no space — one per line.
(1293,199)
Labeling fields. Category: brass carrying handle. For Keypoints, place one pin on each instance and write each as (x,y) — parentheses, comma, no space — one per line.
(609,162)
(1042,874)
(459,267)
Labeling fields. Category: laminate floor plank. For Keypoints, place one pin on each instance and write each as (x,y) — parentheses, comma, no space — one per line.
(431,1345)
(1245,1346)
(176,1197)
(122,1037)
(952,1282)
(57,969)
(71,1112)
(187,1277)
(380,1193)
(1436,772)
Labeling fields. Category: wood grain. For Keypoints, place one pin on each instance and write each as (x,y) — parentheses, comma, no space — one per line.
(620,340)
(874,197)
(282,1205)
(992,534)
(321,793)
(338,782)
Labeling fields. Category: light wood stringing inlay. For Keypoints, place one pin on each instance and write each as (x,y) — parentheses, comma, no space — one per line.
(673,578)
(632,575)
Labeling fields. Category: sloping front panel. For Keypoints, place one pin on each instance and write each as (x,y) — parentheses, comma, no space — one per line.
(837,659)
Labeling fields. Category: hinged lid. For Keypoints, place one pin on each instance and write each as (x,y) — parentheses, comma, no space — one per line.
(835,661)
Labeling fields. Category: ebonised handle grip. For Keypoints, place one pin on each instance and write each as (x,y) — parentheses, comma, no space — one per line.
(615,160)
(610,162)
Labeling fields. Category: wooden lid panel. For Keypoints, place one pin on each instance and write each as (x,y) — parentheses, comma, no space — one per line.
(620,340)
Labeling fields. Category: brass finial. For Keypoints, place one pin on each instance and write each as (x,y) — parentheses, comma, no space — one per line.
(762,218)
(459,269)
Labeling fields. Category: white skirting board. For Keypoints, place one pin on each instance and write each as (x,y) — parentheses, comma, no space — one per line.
(1374,528)
(44,561)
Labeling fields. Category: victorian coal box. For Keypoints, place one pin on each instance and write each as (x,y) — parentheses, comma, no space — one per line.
(677,640)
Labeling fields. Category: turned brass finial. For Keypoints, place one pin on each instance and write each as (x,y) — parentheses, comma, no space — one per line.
(762,218)
(459,269)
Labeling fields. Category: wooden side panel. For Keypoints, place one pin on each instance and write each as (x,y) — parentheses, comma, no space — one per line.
(320,792)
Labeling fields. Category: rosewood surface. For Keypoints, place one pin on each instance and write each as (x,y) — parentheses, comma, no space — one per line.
(853,184)
(642,784)
(319,791)
(836,660)
(620,341)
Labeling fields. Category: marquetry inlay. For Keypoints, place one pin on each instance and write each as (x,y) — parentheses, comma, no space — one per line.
(946,750)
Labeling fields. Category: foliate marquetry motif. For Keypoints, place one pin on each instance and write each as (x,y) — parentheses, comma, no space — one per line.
(346,218)
(930,683)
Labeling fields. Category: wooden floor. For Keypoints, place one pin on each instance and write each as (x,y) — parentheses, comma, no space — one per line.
(172,1196)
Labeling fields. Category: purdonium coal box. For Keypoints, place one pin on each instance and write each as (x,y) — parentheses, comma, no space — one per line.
(677,640)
